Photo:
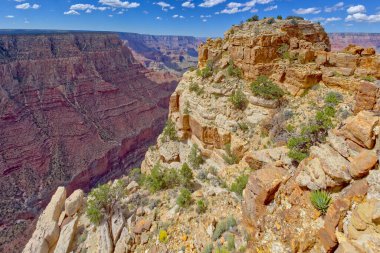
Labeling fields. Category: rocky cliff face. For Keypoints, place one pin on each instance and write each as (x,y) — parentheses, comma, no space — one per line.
(175,54)
(271,111)
(339,41)
(74,108)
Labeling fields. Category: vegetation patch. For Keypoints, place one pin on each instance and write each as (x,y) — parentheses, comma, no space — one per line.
(169,132)
(194,87)
(201,206)
(230,158)
(163,236)
(195,157)
(239,184)
(186,175)
(238,99)
(265,88)
(253,18)
(161,178)
(206,71)
(320,200)
(233,71)
(184,198)
(223,226)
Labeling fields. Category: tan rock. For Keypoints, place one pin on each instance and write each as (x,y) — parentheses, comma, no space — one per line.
(66,236)
(362,164)
(169,151)
(105,244)
(74,202)
(369,51)
(141,226)
(122,245)
(360,128)
(312,175)
(118,222)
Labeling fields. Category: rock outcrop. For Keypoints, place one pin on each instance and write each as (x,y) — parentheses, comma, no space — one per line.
(75,107)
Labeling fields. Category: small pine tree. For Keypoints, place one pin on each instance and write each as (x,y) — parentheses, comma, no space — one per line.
(187,175)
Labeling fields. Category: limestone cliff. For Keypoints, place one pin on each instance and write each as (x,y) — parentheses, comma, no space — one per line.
(269,110)
(74,108)
(340,41)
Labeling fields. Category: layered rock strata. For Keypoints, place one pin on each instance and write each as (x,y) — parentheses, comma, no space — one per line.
(75,108)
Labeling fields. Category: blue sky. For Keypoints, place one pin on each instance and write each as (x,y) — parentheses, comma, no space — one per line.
(205,18)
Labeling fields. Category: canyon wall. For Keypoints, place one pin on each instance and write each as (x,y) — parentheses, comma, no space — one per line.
(75,109)
(341,40)
(175,54)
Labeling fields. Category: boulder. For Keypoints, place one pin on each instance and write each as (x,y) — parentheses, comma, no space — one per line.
(118,222)
(122,244)
(105,244)
(363,163)
(66,236)
(74,202)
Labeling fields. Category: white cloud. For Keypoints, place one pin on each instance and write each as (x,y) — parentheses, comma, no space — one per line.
(158,18)
(211,3)
(333,19)
(188,4)
(9,16)
(312,10)
(361,17)
(356,9)
(271,8)
(71,12)
(337,7)
(165,6)
(82,7)
(119,4)
(178,16)
(19,1)
(26,6)
(234,7)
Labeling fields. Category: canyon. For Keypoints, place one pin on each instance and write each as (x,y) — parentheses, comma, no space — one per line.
(341,40)
(174,54)
(272,145)
(76,109)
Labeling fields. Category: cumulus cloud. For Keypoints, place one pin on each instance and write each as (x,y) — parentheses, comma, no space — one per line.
(211,3)
(337,7)
(26,6)
(178,16)
(333,19)
(234,7)
(188,4)
(71,12)
(9,16)
(361,17)
(271,8)
(356,9)
(119,4)
(165,6)
(302,11)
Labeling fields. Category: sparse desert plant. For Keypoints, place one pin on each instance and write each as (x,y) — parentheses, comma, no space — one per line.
(264,87)
(169,132)
(333,98)
(233,70)
(206,71)
(136,175)
(320,200)
(243,126)
(238,99)
(163,236)
(253,18)
(230,158)
(230,242)
(208,248)
(239,184)
(295,18)
(186,175)
(194,87)
(201,206)
(223,226)
(279,17)
(161,178)
(271,21)
(184,198)
(221,249)
(369,78)
(186,110)
(195,157)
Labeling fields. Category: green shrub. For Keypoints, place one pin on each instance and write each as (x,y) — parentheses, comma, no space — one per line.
(253,18)
(137,176)
(264,87)
(295,18)
(186,175)
(233,71)
(320,200)
(230,158)
(206,71)
(192,68)
(169,132)
(195,157)
(369,78)
(223,226)
(161,178)
(271,21)
(333,98)
(279,17)
(239,185)
(243,126)
(163,236)
(230,242)
(194,87)
(102,201)
(208,248)
(238,99)
(186,110)
(201,206)
(221,250)
(184,198)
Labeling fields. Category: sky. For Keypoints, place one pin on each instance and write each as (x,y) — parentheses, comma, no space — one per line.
(202,18)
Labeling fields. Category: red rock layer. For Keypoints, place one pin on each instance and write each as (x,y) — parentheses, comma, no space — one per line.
(74,109)
(339,41)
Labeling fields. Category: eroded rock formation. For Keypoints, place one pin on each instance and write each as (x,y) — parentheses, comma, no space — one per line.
(340,41)
(74,108)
